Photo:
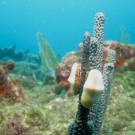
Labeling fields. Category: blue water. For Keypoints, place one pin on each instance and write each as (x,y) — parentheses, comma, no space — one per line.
(62,22)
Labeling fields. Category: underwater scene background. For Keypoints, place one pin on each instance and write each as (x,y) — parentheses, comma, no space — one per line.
(62,22)
(56,78)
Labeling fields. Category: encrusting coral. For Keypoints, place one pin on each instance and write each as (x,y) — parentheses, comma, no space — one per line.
(95,82)
(4,86)
(9,86)
(5,68)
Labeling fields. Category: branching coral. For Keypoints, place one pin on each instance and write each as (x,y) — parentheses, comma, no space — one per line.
(95,83)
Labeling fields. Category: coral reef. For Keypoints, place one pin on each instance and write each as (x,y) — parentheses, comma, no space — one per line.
(45,110)
(45,113)
(125,55)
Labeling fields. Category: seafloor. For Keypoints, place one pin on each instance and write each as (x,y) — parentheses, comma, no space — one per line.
(47,112)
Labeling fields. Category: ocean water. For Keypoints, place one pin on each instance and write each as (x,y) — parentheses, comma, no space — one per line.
(35,92)
(62,22)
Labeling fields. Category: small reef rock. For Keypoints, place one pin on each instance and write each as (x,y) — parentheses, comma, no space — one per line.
(29,108)
(9,87)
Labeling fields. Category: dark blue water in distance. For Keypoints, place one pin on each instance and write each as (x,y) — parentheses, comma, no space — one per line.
(62,22)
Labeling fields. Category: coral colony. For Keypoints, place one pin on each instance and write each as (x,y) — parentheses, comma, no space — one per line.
(92,80)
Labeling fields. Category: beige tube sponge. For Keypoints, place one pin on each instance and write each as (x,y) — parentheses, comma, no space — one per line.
(74,78)
(92,88)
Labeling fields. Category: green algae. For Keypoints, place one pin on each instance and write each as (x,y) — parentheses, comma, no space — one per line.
(2,118)
(41,114)
(36,119)
(120,113)
(127,80)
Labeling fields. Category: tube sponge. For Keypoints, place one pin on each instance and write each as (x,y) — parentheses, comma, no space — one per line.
(92,88)
(74,78)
